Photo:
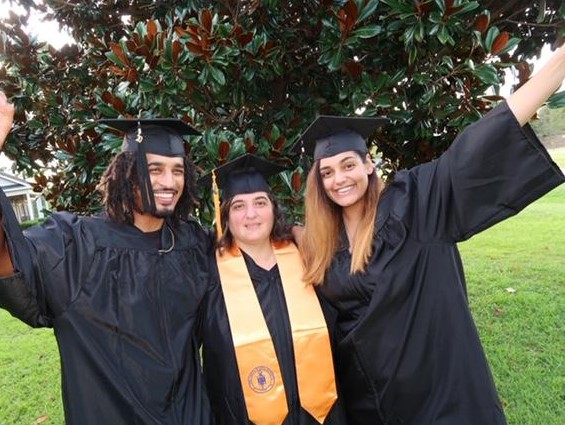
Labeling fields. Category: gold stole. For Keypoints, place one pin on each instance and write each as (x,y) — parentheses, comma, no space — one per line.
(257,362)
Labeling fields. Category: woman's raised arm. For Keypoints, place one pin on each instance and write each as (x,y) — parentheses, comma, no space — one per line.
(525,101)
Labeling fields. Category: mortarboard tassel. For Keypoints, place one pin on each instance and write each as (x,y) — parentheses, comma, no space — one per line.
(143,175)
(216,198)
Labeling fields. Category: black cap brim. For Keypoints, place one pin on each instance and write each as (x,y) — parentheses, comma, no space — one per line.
(245,174)
(175,124)
(162,136)
(329,135)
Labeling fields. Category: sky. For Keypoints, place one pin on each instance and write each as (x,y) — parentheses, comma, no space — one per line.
(44,31)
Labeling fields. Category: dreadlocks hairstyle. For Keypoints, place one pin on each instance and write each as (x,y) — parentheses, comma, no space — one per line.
(119,186)
(323,220)
(281,228)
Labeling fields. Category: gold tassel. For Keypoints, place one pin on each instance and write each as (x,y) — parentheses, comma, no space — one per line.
(216,197)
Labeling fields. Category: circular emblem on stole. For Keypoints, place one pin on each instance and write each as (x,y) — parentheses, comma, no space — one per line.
(261,379)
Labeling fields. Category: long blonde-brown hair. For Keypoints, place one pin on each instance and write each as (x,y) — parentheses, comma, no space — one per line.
(323,219)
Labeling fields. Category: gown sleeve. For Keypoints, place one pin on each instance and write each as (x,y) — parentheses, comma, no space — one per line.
(493,170)
(17,298)
(211,286)
(47,267)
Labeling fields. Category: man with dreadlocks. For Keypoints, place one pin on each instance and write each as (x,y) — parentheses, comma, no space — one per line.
(123,290)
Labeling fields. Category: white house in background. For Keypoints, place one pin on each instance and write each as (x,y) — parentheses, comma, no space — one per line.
(26,204)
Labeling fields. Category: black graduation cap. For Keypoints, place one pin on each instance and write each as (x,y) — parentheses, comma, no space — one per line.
(245,174)
(160,136)
(329,135)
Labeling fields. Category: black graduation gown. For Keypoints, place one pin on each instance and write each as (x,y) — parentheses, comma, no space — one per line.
(220,365)
(123,314)
(408,351)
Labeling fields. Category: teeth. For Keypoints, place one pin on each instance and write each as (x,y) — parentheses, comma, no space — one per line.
(344,190)
(164,195)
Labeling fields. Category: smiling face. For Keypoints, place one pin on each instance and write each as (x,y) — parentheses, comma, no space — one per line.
(251,218)
(167,181)
(345,177)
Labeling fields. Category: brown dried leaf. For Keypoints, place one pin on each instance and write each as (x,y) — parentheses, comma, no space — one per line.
(107,96)
(352,13)
(206,20)
(130,44)
(152,28)
(353,68)
(132,75)
(481,23)
(245,39)
(279,143)
(296,181)
(223,149)
(180,31)
(117,50)
(193,30)
(176,50)
(41,419)
(194,48)
(500,42)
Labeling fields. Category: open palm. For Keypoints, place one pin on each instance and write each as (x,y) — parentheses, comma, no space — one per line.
(6,118)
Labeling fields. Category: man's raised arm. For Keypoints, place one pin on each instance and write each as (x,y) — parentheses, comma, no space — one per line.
(6,118)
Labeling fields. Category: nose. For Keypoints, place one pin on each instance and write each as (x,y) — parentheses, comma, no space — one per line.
(250,211)
(339,177)
(167,178)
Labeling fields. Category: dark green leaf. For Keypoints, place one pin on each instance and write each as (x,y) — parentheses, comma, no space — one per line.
(557,100)
(420,32)
(217,75)
(443,35)
(447,60)
(336,61)
(367,10)
(412,55)
(115,59)
(487,74)
(492,33)
(467,8)
(368,31)
(512,43)
(35,124)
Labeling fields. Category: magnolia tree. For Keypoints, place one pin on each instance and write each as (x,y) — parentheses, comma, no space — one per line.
(252,74)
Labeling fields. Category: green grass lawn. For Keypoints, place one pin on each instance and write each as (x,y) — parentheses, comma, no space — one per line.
(558,156)
(30,390)
(516,281)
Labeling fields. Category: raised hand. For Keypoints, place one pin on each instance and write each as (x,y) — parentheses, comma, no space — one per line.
(6,118)
(527,99)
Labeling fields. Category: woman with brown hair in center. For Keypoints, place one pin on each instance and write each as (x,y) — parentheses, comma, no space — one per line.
(266,347)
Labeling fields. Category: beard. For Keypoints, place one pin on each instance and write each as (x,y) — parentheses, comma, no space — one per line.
(164,212)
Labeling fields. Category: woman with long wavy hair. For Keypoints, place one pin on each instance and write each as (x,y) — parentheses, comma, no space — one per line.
(407,350)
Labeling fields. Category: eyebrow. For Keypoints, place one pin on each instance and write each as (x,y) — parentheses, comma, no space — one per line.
(347,158)
(260,197)
(161,163)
